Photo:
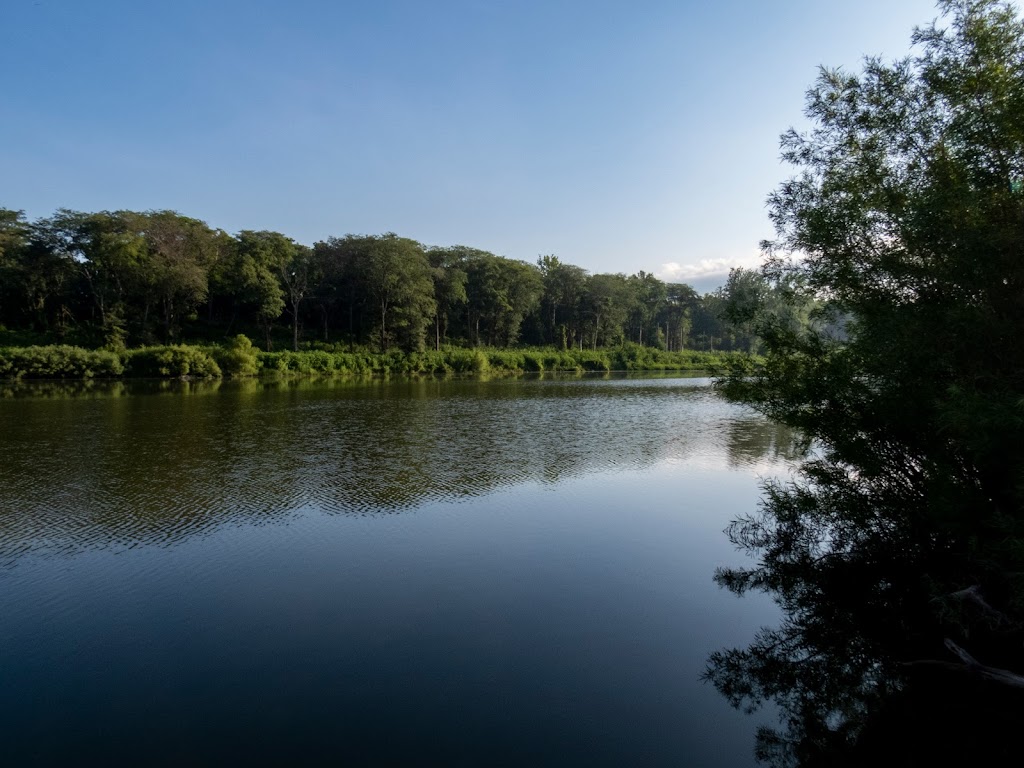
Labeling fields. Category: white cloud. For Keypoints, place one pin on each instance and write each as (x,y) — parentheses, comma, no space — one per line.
(674,272)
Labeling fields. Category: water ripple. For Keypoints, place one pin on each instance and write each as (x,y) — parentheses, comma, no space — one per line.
(112,473)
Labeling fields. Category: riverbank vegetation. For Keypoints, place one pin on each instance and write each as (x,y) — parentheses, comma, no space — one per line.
(157,294)
(897,554)
(240,358)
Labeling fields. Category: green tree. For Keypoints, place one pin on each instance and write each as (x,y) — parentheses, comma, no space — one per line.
(399,283)
(501,293)
(564,288)
(111,253)
(607,304)
(524,287)
(676,313)
(14,230)
(298,276)
(749,299)
(745,296)
(329,268)
(339,262)
(260,258)
(449,277)
(649,296)
(898,553)
(42,271)
(179,254)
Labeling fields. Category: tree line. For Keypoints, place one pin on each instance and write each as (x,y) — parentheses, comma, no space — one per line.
(117,278)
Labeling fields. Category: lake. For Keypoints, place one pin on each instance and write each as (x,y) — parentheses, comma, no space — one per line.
(459,573)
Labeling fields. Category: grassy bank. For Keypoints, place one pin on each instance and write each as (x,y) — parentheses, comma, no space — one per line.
(240,358)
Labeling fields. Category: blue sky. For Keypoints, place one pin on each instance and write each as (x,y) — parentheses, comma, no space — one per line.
(619,136)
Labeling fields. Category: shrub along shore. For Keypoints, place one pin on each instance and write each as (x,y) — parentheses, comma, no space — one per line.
(241,358)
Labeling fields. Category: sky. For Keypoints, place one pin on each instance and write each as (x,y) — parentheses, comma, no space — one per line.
(619,136)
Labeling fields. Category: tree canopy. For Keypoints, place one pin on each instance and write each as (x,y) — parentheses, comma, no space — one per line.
(125,277)
(898,552)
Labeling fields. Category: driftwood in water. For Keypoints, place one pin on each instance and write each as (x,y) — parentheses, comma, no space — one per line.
(972,666)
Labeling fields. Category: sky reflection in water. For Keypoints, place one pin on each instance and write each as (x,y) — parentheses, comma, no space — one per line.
(414,572)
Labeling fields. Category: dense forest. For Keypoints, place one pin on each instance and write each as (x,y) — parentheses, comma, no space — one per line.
(124,278)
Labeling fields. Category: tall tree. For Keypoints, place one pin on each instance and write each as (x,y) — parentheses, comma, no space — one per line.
(607,302)
(398,280)
(524,291)
(907,215)
(648,298)
(298,276)
(180,251)
(42,269)
(260,259)
(501,292)
(340,262)
(680,299)
(14,231)
(450,277)
(564,288)
(111,253)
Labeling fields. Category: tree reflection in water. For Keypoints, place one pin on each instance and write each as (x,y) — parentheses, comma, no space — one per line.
(861,669)
(898,556)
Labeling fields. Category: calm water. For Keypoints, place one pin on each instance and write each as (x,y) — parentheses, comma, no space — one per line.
(458,573)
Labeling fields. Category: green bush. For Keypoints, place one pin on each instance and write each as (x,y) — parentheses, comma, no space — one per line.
(533,361)
(272,362)
(59,362)
(239,358)
(466,361)
(321,362)
(593,360)
(171,362)
(504,359)
(559,361)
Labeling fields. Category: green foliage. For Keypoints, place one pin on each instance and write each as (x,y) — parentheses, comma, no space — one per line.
(592,360)
(470,361)
(322,363)
(171,361)
(125,278)
(296,268)
(500,294)
(607,304)
(533,360)
(906,224)
(251,274)
(558,360)
(58,362)
(239,358)
(449,276)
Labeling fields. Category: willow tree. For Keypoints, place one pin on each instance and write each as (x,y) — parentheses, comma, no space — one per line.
(899,549)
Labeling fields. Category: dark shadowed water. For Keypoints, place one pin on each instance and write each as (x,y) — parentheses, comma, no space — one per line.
(458,573)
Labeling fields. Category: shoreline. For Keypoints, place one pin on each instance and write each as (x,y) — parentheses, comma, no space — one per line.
(239,359)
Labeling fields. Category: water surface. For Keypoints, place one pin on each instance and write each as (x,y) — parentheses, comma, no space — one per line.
(500,572)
